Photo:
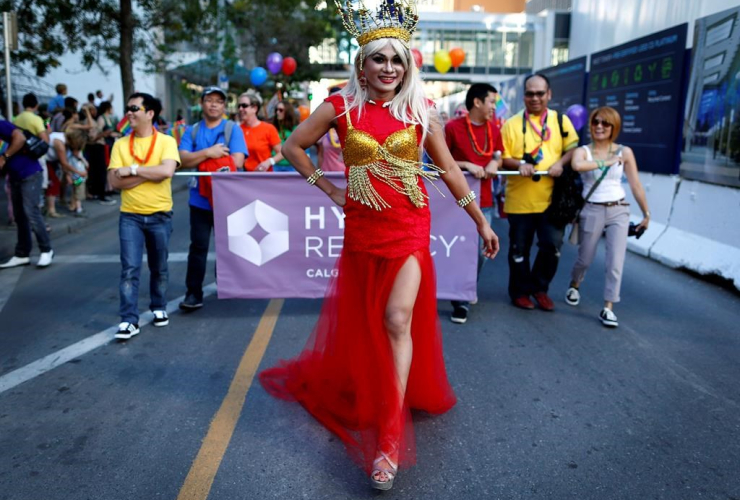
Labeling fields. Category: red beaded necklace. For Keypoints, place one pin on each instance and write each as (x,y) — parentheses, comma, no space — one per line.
(489,143)
(138,160)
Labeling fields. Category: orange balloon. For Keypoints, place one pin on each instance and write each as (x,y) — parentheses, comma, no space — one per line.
(457,56)
(304,111)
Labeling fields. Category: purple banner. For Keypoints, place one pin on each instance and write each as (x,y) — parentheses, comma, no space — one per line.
(278,237)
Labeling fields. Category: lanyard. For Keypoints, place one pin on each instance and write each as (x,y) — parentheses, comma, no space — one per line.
(544,134)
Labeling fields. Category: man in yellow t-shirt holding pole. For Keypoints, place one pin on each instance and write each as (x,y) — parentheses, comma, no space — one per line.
(534,141)
(141,166)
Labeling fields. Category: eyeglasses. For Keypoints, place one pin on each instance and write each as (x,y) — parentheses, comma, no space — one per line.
(597,121)
(214,101)
(134,108)
(540,93)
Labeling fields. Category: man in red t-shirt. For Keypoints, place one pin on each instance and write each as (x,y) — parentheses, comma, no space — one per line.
(475,143)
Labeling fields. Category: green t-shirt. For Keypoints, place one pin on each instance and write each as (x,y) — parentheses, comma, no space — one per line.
(284,133)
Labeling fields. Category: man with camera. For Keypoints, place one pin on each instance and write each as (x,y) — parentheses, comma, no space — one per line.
(535,140)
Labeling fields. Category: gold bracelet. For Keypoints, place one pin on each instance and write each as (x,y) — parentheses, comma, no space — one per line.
(315,176)
(465,200)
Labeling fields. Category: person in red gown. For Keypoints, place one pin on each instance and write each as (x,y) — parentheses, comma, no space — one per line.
(376,350)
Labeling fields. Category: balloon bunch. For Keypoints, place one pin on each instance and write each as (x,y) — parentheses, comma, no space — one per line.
(275,63)
(444,60)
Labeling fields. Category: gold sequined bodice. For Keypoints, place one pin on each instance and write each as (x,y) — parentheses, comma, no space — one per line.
(395,162)
(361,148)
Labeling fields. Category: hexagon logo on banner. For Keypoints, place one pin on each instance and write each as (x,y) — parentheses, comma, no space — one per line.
(272,221)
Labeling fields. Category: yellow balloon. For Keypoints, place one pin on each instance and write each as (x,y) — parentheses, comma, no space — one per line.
(442,61)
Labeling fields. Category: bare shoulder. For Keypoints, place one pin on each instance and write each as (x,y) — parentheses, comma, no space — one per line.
(626,150)
(325,113)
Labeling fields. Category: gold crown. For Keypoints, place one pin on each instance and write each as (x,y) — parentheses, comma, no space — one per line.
(394,19)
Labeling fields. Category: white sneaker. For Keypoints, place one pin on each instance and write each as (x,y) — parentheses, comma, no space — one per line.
(15,262)
(573,296)
(608,318)
(127,330)
(160,318)
(45,258)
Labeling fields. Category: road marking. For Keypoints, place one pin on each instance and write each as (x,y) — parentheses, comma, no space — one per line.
(198,483)
(47,363)
(8,280)
(116,258)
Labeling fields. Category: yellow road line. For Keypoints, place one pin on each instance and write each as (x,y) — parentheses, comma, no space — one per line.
(203,471)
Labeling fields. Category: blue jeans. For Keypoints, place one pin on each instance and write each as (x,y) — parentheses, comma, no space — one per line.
(25,194)
(488,214)
(137,231)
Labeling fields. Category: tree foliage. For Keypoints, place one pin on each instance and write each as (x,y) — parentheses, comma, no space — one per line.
(148,32)
(47,29)
(289,27)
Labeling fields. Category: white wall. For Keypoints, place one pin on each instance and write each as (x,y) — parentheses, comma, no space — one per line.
(81,82)
(597,24)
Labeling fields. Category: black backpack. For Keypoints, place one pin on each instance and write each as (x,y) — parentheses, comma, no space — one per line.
(567,193)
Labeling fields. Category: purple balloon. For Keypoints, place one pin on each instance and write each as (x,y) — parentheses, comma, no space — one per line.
(578,116)
(275,63)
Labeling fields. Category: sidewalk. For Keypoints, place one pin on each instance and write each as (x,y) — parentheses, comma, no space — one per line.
(65,225)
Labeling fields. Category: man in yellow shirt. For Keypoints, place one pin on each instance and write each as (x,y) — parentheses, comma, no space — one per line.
(29,120)
(534,141)
(141,166)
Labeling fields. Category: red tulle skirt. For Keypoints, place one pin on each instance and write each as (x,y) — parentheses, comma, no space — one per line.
(345,376)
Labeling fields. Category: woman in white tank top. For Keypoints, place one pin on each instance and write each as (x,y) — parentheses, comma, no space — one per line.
(605,162)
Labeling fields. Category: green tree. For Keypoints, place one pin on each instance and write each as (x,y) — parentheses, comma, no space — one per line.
(289,27)
(118,31)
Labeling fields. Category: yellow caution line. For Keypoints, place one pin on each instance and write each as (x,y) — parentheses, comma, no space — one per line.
(200,478)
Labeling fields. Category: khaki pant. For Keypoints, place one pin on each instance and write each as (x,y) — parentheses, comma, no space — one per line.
(594,220)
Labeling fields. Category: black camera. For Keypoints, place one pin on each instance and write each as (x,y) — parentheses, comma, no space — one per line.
(635,230)
(528,158)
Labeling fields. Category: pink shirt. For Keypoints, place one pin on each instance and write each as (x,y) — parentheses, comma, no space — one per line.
(333,160)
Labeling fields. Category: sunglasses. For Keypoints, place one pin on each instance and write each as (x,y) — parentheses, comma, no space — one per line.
(245,106)
(597,121)
(280,110)
(134,108)
(540,93)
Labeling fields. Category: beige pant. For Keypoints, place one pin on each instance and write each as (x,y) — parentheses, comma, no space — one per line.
(593,221)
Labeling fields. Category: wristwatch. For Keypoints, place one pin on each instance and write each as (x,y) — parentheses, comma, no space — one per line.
(134,168)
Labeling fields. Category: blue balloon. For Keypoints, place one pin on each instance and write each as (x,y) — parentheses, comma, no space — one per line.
(258,76)
(578,116)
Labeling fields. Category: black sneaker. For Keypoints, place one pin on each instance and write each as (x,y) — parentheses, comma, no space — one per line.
(127,330)
(191,303)
(160,318)
(608,318)
(459,314)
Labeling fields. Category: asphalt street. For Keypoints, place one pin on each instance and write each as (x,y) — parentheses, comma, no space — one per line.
(551,405)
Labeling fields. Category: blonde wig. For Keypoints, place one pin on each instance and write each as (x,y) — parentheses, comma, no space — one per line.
(409,105)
